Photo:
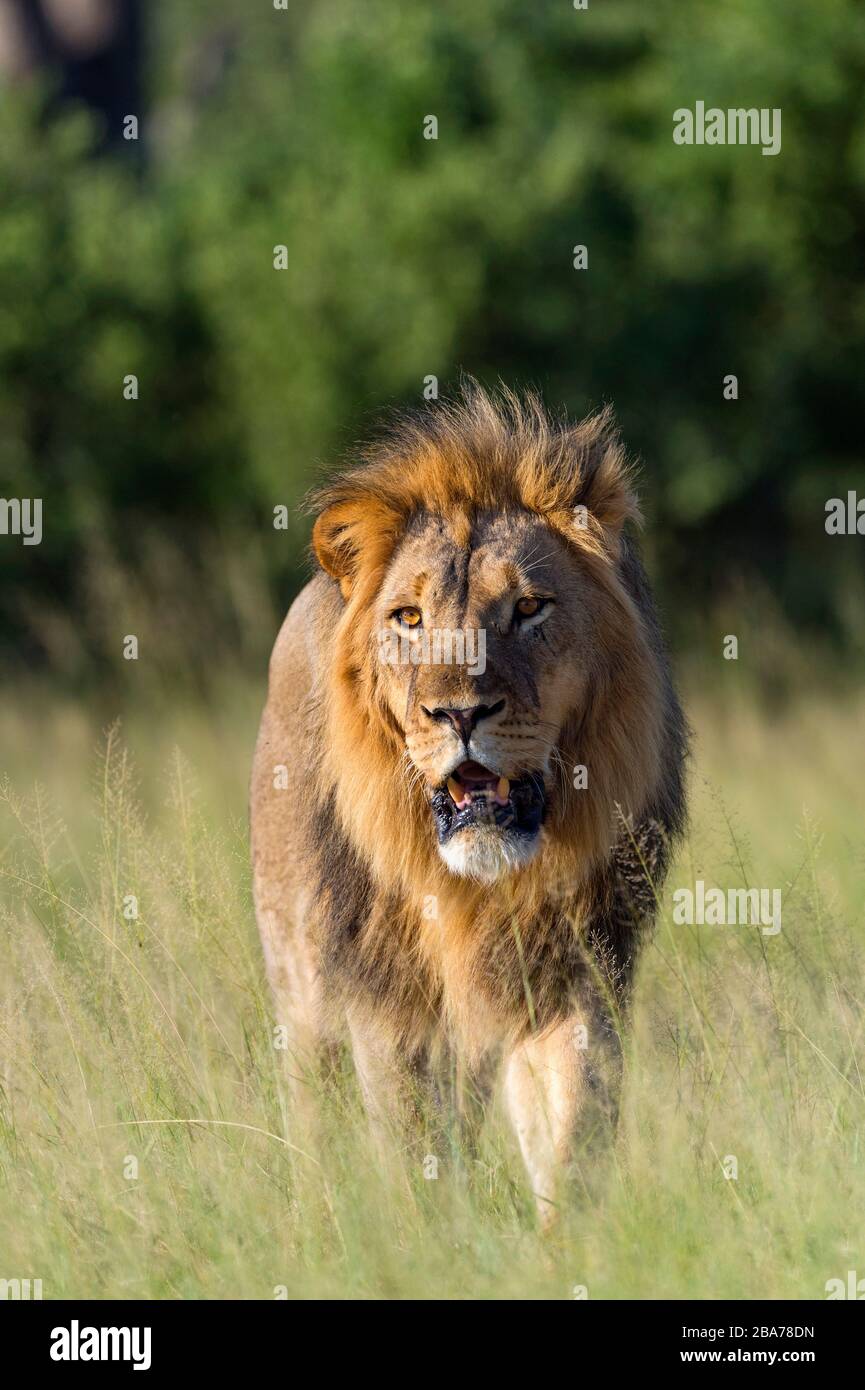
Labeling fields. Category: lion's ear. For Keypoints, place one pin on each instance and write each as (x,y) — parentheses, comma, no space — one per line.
(350,534)
(605,497)
(609,494)
(333,541)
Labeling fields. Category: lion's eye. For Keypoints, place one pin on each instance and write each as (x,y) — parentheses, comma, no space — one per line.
(528,607)
(408,617)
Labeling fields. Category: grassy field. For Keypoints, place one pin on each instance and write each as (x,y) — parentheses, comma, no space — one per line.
(146,1144)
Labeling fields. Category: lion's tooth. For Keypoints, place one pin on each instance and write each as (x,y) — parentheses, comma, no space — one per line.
(456,791)
(503,789)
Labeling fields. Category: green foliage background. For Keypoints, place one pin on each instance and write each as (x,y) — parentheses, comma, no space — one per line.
(409,257)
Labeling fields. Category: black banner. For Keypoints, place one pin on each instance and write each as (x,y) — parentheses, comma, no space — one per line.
(67,1338)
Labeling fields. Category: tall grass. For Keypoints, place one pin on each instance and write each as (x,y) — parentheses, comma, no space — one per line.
(147,1142)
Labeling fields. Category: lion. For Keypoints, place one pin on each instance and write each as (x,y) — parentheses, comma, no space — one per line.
(468,778)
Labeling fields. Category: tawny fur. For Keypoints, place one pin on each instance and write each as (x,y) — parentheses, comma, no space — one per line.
(363,924)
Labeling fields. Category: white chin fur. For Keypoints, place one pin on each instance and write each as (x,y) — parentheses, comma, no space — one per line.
(485,854)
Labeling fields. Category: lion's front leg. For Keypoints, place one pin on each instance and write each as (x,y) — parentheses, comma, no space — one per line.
(560,1086)
(389,1081)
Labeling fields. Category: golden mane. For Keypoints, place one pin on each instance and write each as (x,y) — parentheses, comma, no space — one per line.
(476,454)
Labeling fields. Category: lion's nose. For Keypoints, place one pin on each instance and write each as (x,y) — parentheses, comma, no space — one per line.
(465,720)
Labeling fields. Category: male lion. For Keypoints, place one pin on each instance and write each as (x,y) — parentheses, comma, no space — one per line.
(457,844)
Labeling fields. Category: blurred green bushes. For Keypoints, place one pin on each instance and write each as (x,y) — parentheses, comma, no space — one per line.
(409,257)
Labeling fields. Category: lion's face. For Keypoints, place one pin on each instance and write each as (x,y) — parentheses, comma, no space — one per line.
(494,632)
(482,631)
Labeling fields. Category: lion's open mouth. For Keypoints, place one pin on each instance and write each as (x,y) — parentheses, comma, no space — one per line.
(474,796)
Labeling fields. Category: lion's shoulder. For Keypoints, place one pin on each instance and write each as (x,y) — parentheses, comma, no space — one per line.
(305,641)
